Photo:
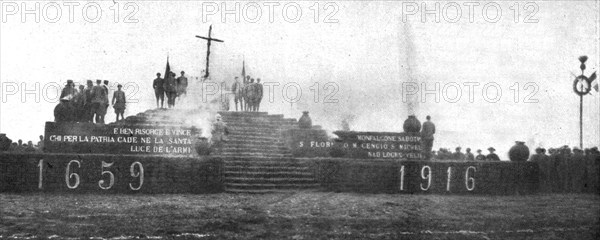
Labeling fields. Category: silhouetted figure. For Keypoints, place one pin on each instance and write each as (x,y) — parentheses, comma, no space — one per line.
(118,102)
(170,86)
(492,156)
(79,105)
(479,157)
(182,84)
(458,155)
(63,112)
(40,144)
(89,111)
(219,134)
(427,132)
(69,90)
(469,156)
(259,93)
(159,90)
(99,98)
(236,89)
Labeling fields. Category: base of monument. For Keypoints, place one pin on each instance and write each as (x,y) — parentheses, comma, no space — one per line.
(98,173)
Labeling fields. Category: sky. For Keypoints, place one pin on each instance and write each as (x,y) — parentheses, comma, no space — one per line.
(353,60)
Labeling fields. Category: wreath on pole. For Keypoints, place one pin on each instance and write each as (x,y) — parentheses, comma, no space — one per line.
(582,80)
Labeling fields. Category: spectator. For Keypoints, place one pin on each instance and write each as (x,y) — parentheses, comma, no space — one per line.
(41,143)
(480,157)
(492,157)
(469,156)
(458,155)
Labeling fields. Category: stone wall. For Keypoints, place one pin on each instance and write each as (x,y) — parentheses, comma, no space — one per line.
(75,173)
(427,177)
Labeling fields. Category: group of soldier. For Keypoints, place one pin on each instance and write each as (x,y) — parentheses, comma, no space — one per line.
(248,94)
(170,86)
(88,104)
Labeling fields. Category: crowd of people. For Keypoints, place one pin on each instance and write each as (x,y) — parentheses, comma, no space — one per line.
(564,151)
(20,146)
(88,104)
(446,154)
(248,94)
(171,86)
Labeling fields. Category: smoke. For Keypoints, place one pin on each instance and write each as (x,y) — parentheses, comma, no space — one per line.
(196,108)
(408,50)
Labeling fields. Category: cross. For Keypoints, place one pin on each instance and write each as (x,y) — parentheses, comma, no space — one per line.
(208,40)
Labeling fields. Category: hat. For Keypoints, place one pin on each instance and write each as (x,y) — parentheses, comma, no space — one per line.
(90,81)
(98,80)
(69,81)
(478,150)
(458,148)
(119,85)
(491,149)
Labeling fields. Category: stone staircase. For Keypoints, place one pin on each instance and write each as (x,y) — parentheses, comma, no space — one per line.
(256,157)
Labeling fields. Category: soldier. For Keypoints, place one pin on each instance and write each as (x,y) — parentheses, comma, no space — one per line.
(252,95)
(182,83)
(106,101)
(79,105)
(88,112)
(159,90)
(98,100)
(236,88)
(457,155)
(118,102)
(219,134)
(40,144)
(170,86)
(480,157)
(69,89)
(427,135)
(259,93)
(492,157)
(469,156)
(63,112)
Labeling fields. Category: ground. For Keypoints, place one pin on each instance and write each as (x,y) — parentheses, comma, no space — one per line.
(304,215)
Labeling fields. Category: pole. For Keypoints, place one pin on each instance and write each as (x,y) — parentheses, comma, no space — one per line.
(581,122)
(208,51)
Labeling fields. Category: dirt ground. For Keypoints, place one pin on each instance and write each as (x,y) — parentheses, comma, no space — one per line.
(303,215)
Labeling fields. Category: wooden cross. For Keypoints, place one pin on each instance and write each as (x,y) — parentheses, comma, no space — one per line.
(208,40)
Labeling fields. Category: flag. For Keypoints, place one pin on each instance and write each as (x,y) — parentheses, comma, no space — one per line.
(167,70)
(244,71)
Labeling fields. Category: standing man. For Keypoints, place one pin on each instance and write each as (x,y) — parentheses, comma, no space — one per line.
(458,155)
(492,157)
(259,94)
(99,98)
(118,102)
(480,157)
(182,83)
(69,90)
(79,105)
(170,86)
(427,135)
(469,156)
(219,134)
(88,113)
(236,88)
(159,90)
(106,102)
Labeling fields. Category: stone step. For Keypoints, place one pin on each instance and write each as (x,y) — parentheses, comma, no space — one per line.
(265,163)
(240,186)
(266,138)
(263,191)
(269,155)
(283,180)
(254,148)
(241,141)
(268,174)
(266,168)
